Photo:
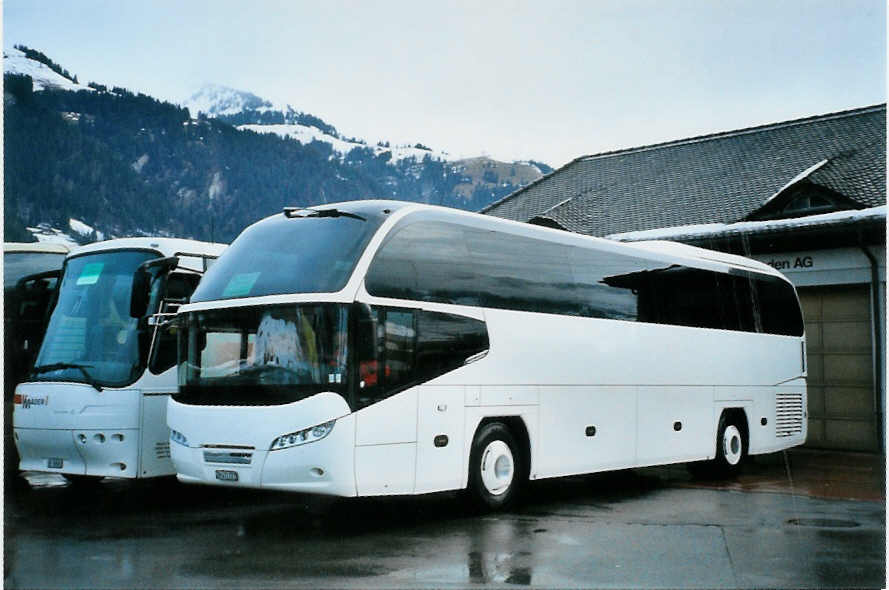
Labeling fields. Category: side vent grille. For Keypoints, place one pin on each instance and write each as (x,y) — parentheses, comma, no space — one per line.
(788,414)
(162,450)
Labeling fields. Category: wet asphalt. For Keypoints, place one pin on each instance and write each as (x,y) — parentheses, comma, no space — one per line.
(649,528)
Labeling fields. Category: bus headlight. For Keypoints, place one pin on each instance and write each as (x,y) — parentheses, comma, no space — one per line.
(301,437)
(178,437)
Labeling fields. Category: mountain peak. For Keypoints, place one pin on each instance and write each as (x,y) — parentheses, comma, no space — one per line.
(215,100)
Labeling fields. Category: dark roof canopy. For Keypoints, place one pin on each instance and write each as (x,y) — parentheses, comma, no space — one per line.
(839,158)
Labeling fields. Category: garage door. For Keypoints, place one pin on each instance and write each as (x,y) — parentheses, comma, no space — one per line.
(840,383)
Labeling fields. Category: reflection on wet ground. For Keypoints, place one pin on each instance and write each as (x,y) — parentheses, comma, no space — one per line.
(821,474)
(651,527)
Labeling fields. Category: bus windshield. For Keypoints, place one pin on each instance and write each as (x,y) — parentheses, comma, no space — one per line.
(291,254)
(262,355)
(91,337)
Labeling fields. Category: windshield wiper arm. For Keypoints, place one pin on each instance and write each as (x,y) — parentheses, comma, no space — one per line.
(292,212)
(60,366)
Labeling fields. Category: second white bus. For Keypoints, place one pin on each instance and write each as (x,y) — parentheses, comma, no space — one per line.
(94,404)
(374,348)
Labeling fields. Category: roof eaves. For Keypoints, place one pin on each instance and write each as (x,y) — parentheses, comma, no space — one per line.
(721,230)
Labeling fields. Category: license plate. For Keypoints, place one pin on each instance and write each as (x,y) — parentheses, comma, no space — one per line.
(225,475)
(54,463)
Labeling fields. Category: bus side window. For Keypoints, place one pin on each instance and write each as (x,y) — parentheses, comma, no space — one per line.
(180,286)
(385,348)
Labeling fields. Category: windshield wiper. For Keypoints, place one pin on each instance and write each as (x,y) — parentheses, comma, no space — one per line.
(61,366)
(291,212)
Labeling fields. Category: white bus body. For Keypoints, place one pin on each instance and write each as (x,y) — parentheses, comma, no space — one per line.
(458,350)
(92,406)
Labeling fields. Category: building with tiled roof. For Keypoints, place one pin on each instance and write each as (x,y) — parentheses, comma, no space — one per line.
(807,196)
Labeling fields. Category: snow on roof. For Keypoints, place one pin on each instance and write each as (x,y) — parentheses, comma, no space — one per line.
(801,176)
(714,229)
(50,247)
(15,62)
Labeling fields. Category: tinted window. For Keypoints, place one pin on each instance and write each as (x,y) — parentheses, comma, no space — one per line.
(446,341)
(17,265)
(449,263)
(398,348)
(425,262)
(778,308)
(289,255)
(446,263)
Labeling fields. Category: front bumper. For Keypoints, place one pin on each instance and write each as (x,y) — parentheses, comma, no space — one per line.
(102,453)
(229,446)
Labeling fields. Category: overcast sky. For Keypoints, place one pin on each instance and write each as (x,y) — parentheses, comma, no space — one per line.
(541,80)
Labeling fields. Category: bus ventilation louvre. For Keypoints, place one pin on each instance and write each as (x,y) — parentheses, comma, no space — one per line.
(788,414)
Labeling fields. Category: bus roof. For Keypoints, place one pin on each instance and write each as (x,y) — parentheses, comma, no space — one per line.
(657,247)
(166,246)
(48,247)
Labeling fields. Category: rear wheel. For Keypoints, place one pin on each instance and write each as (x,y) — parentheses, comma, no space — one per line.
(496,468)
(731,447)
(731,450)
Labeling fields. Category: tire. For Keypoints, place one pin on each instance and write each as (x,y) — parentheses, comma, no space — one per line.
(496,468)
(731,449)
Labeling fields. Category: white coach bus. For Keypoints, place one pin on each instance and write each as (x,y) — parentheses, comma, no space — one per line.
(95,401)
(376,347)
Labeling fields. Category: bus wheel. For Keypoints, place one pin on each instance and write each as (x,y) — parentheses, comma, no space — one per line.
(495,467)
(730,450)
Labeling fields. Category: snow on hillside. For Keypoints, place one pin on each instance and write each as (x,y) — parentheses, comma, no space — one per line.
(83,229)
(45,233)
(219,101)
(15,62)
(306,134)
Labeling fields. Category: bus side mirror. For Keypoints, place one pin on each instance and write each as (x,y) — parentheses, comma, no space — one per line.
(144,279)
(139,296)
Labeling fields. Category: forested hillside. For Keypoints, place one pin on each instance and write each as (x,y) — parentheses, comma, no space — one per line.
(128,164)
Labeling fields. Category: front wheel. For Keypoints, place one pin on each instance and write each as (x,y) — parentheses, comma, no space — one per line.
(496,468)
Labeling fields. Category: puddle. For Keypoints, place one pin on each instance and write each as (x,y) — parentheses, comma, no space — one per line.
(823,523)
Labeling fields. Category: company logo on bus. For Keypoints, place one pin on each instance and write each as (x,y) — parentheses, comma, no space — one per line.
(26,401)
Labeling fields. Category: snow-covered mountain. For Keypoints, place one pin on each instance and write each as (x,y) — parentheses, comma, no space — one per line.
(216,101)
(250,112)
